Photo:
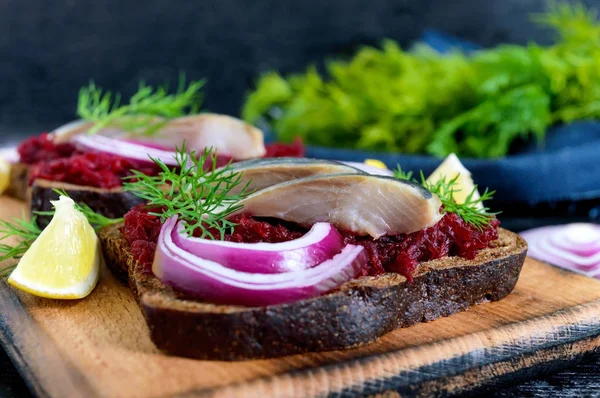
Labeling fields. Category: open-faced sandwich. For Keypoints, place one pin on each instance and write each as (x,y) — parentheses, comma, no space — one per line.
(90,157)
(277,257)
(264,257)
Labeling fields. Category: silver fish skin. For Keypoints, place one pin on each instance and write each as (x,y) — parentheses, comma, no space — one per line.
(361,203)
(263,173)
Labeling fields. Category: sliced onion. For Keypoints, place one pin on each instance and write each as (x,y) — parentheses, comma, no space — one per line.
(124,148)
(369,169)
(321,243)
(215,283)
(574,246)
(149,144)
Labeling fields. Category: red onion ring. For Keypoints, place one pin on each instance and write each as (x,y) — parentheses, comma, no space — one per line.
(149,144)
(124,148)
(321,243)
(215,283)
(574,246)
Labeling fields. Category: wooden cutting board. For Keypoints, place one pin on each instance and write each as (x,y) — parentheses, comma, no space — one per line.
(99,346)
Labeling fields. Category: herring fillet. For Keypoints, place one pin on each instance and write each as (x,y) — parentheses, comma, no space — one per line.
(263,173)
(361,203)
(226,134)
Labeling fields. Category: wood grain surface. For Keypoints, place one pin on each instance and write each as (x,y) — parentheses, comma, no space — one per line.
(99,346)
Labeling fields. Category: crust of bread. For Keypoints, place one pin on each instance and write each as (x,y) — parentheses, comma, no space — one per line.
(18,181)
(112,203)
(357,313)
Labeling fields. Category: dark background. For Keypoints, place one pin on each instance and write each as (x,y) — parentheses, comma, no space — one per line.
(48,50)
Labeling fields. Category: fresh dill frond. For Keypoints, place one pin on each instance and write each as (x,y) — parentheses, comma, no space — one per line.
(201,198)
(146,108)
(574,22)
(25,231)
(472,211)
(401,175)
(421,101)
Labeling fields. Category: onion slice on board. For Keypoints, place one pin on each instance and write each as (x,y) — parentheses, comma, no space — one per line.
(321,243)
(124,148)
(215,283)
(573,246)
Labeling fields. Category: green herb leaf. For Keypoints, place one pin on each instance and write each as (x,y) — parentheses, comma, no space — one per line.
(25,231)
(421,101)
(98,221)
(402,175)
(202,199)
(471,211)
(145,110)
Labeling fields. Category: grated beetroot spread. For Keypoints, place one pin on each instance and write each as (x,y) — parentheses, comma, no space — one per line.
(94,169)
(451,236)
(141,230)
(42,148)
(279,150)
(64,163)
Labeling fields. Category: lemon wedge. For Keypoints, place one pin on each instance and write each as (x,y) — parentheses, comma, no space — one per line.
(64,261)
(375,163)
(449,169)
(4,175)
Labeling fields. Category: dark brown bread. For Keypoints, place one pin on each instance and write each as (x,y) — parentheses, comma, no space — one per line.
(18,181)
(356,314)
(112,203)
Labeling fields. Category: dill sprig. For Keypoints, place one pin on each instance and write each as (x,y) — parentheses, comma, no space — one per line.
(472,211)
(145,110)
(201,198)
(26,231)
(402,175)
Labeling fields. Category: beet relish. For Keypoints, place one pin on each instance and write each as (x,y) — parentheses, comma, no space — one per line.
(451,236)
(43,149)
(62,162)
(141,230)
(94,169)
(279,150)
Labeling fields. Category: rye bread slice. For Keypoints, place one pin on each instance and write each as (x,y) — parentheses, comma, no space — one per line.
(112,203)
(358,313)
(18,181)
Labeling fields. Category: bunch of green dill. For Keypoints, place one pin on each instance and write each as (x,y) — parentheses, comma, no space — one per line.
(420,101)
